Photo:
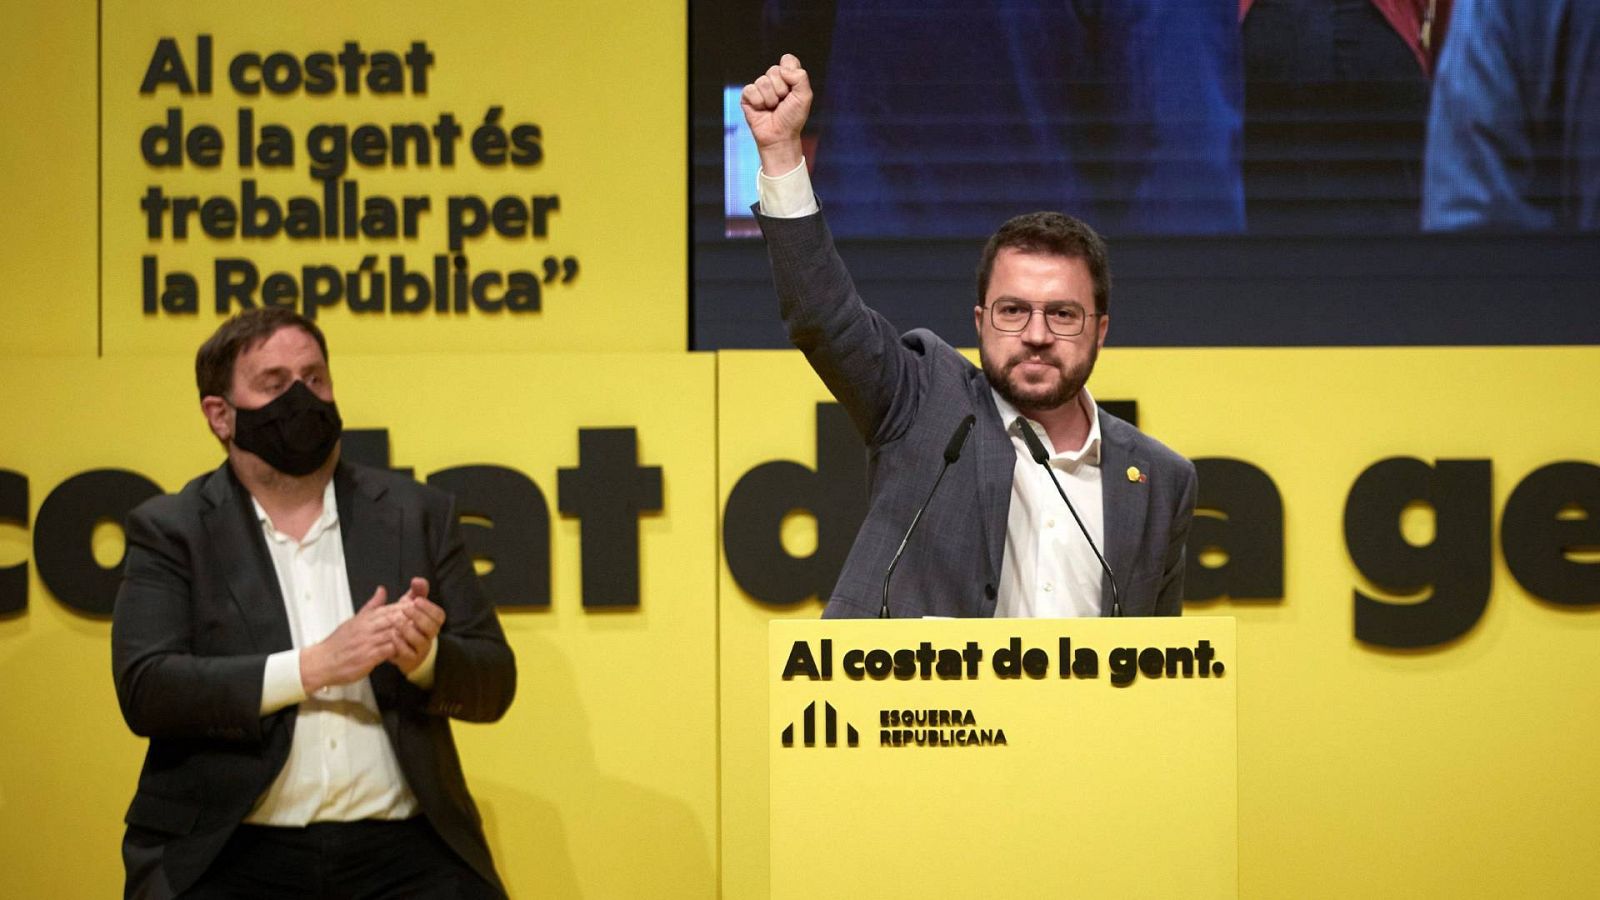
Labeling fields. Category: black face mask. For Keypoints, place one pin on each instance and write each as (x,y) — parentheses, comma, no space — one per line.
(293,434)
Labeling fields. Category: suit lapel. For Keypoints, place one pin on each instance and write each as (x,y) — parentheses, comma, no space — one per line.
(1125,502)
(370,531)
(241,550)
(996,460)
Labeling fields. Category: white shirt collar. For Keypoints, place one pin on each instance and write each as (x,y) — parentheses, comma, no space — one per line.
(1089,452)
(328,519)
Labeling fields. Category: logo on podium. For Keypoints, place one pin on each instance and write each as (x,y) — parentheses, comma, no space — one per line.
(830,728)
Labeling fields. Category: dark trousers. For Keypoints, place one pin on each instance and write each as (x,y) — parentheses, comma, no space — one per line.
(340,861)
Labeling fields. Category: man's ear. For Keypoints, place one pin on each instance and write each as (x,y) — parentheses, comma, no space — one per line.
(1103,321)
(977,321)
(218,416)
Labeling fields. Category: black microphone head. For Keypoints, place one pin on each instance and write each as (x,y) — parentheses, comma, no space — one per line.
(1040,455)
(958,439)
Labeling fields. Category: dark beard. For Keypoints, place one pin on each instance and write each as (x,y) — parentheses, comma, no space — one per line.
(1072,381)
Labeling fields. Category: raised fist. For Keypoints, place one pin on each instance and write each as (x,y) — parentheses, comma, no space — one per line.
(776,106)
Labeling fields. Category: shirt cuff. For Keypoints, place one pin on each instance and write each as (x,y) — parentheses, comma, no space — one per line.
(422,675)
(788,196)
(280,683)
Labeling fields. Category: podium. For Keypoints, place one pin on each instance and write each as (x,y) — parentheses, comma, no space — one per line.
(1003,758)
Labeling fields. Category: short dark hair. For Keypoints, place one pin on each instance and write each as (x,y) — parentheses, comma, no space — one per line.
(213,365)
(1051,234)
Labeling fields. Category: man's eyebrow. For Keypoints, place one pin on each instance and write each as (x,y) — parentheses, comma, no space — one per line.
(1045,304)
(270,372)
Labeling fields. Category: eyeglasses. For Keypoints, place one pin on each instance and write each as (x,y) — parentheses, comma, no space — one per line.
(1063,320)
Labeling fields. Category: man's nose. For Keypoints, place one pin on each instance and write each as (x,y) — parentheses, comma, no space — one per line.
(1036,332)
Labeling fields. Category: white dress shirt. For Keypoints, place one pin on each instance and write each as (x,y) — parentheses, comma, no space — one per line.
(1049,570)
(340,767)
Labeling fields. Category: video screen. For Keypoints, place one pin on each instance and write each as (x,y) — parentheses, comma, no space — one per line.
(1174,117)
(1239,121)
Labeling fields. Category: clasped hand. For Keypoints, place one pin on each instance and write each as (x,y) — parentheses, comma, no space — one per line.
(401,632)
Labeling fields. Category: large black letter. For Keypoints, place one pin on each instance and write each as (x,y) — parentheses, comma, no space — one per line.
(63,537)
(14,509)
(607,491)
(1553,513)
(166,67)
(516,538)
(368,447)
(1240,513)
(1456,564)
(835,494)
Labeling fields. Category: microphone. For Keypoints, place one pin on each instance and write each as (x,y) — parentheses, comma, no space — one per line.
(1042,457)
(952,452)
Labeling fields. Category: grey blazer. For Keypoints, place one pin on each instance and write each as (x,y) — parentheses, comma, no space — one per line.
(906,394)
(198,613)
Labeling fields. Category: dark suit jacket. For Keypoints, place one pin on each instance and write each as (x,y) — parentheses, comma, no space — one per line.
(906,394)
(198,613)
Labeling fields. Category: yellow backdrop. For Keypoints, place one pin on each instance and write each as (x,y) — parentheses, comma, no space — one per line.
(633,763)
(543,64)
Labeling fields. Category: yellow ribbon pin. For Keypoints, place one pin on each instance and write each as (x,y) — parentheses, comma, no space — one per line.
(1134,474)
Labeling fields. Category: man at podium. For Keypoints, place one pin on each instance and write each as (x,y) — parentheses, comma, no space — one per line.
(994,491)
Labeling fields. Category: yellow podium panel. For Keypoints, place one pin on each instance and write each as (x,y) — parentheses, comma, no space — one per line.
(1015,758)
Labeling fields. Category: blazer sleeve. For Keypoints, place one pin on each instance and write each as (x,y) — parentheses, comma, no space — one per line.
(1169,601)
(165,689)
(1483,164)
(854,350)
(475,672)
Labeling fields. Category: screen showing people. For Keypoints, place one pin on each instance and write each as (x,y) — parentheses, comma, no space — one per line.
(1197,117)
